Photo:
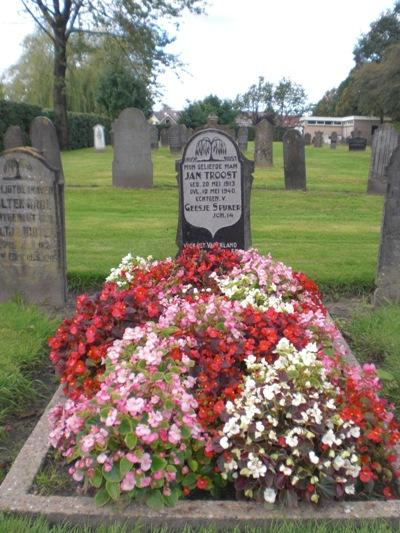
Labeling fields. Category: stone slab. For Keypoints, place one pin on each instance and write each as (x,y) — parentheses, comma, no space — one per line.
(79,510)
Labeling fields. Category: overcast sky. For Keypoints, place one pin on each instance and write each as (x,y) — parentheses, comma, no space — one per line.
(309,41)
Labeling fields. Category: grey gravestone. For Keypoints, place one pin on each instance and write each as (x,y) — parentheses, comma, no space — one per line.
(384,142)
(263,147)
(32,245)
(132,166)
(294,160)
(184,134)
(357,144)
(318,139)
(164,137)
(307,139)
(212,122)
(242,138)
(175,139)
(214,181)
(333,139)
(99,138)
(388,275)
(13,138)
(44,139)
(153,137)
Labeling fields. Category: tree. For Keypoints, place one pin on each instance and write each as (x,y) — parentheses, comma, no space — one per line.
(195,113)
(327,105)
(119,88)
(134,24)
(289,99)
(257,100)
(384,32)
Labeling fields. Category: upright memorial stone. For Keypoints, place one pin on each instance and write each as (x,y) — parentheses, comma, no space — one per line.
(184,135)
(384,142)
(318,139)
(307,139)
(99,138)
(132,166)
(214,181)
(263,144)
(164,137)
(333,139)
(388,277)
(32,245)
(242,138)
(153,137)
(13,138)
(44,139)
(175,139)
(294,160)
(357,144)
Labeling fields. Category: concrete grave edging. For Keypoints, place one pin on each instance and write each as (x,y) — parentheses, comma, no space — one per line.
(15,497)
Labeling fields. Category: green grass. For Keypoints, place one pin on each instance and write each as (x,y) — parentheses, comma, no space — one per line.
(375,337)
(23,351)
(12,524)
(331,232)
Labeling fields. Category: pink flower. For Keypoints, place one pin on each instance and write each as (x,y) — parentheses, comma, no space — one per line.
(135,405)
(145,482)
(129,482)
(174,434)
(145,462)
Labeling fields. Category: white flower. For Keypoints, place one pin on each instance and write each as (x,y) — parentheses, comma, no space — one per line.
(354,432)
(313,458)
(224,443)
(331,404)
(287,471)
(297,399)
(269,495)
(260,426)
(329,438)
(349,489)
(292,441)
(338,462)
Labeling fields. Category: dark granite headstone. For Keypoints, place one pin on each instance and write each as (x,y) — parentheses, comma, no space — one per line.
(242,138)
(294,160)
(388,273)
(13,138)
(318,139)
(357,144)
(333,139)
(307,139)
(132,166)
(263,144)
(384,142)
(44,139)
(175,139)
(32,244)
(153,137)
(214,181)
(164,137)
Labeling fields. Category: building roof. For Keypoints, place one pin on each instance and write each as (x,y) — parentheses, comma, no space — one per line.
(338,119)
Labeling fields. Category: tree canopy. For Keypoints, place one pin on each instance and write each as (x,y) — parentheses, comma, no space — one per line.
(195,113)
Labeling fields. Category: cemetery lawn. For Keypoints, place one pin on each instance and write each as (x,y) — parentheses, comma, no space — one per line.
(331,232)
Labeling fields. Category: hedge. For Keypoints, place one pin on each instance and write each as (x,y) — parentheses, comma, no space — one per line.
(80,125)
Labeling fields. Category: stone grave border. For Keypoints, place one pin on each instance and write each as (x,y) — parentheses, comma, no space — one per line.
(82,510)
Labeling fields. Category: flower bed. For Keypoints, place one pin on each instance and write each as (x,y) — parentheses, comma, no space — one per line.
(212,371)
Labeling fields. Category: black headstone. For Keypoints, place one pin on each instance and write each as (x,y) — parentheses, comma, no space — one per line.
(294,160)
(357,144)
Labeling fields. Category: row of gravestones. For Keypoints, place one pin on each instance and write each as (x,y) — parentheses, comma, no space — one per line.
(214,184)
(355,142)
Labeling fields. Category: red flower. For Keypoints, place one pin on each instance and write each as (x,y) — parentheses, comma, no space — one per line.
(366,474)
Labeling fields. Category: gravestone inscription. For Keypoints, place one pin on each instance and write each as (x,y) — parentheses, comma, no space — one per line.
(32,234)
(13,138)
(214,181)
(132,166)
(263,144)
(384,142)
(388,278)
(99,138)
(294,160)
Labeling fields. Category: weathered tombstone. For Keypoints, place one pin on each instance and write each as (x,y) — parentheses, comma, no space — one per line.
(99,138)
(357,144)
(263,145)
(175,139)
(164,137)
(212,122)
(184,134)
(132,166)
(333,139)
(384,142)
(307,139)
(153,137)
(318,139)
(32,245)
(44,139)
(242,138)
(214,181)
(294,160)
(388,277)
(13,138)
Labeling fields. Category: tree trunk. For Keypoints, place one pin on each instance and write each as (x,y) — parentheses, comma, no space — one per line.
(59,91)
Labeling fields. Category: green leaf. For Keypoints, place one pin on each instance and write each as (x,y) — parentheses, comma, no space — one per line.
(113,490)
(193,465)
(155,500)
(173,498)
(384,375)
(168,404)
(131,440)
(113,475)
(158,463)
(185,432)
(171,468)
(167,332)
(125,426)
(190,480)
(124,466)
(102,497)
(97,479)
(220,326)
